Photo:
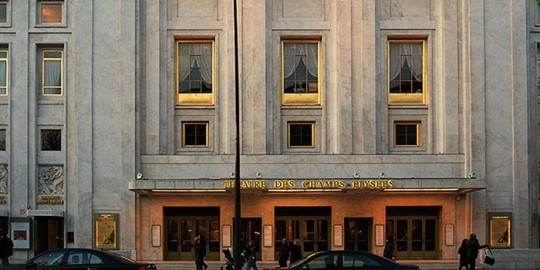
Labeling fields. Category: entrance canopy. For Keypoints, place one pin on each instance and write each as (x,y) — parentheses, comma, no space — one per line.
(461,185)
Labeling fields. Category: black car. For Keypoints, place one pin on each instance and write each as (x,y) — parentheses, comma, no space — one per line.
(347,260)
(84,258)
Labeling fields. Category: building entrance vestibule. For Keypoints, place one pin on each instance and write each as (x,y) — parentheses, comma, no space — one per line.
(49,233)
(358,234)
(311,225)
(183,224)
(414,231)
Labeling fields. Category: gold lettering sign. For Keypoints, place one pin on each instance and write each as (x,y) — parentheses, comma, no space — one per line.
(50,199)
(284,184)
(322,184)
(372,184)
(246,184)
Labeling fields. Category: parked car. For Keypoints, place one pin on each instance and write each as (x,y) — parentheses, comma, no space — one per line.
(347,260)
(84,258)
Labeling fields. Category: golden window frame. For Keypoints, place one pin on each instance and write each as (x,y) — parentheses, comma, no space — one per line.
(207,125)
(41,3)
(418,125)
(194,99)
(6,60)
(288,99)
(313,134)
(43,60)
(409,98)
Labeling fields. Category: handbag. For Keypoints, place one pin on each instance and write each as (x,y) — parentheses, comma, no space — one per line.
(489,258)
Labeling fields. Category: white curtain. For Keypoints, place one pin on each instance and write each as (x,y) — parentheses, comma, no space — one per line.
(53,73)
(186,62)
(3,73)
(417,61)
(406,55)
(395,61)
(296,52)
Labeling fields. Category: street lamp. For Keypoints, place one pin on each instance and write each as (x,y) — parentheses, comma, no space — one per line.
(237,208)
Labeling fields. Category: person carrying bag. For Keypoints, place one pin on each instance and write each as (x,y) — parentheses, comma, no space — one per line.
(489,258)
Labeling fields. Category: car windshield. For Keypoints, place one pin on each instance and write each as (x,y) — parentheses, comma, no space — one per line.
(51,258)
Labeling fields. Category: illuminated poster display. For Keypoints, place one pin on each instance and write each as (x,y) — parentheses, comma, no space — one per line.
(20,233)
(106,231)
(500,233)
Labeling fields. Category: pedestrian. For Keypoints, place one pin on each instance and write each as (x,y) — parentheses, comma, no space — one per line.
(296,251)
(472,251)
(203,244)
(199,252)
(462,251)
(284,253)
(6,247)
(251,255)
(389,249)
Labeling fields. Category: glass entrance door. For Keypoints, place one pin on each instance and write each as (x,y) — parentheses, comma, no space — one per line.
(251,230)
(414,237)
(308,224)
(180,232)
(358,234)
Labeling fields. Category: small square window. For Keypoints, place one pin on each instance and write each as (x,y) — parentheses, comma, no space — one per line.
(195,134)
(407,134)
(3,11)
(301,134)
(50,12)
(2,140)
(51,140)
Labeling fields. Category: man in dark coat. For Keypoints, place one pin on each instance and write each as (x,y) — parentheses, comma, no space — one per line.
(472,251)
(296,251)
(284,253)
(389,249)
(6,247)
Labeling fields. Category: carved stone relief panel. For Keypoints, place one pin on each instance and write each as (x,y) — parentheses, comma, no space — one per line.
(3,179)
(303,8)
(406,9)
(51,180)
(192,9)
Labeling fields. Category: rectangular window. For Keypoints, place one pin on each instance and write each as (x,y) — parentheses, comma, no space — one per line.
(3,11)
(407,133)
(52,72)
(195,72)
(301,134)
(538,67)
(51,140)
(3,72)
(2,140)
(195,134)
(50,12)
(301,73)
(406,72)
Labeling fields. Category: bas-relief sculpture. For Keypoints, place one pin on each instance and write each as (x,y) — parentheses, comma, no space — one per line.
(51,180)
(3,179)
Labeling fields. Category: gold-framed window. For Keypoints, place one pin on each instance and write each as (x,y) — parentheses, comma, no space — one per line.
(52,72)
(4,11)
(195,134)
(50,12)
(301,134)
(4,72)
(195,72)
(301,72)
(407,133)
(407,72)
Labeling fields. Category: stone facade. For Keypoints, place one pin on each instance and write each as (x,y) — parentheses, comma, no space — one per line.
(122,148)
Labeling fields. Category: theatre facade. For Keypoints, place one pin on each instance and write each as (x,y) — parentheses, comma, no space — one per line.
(360,121)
